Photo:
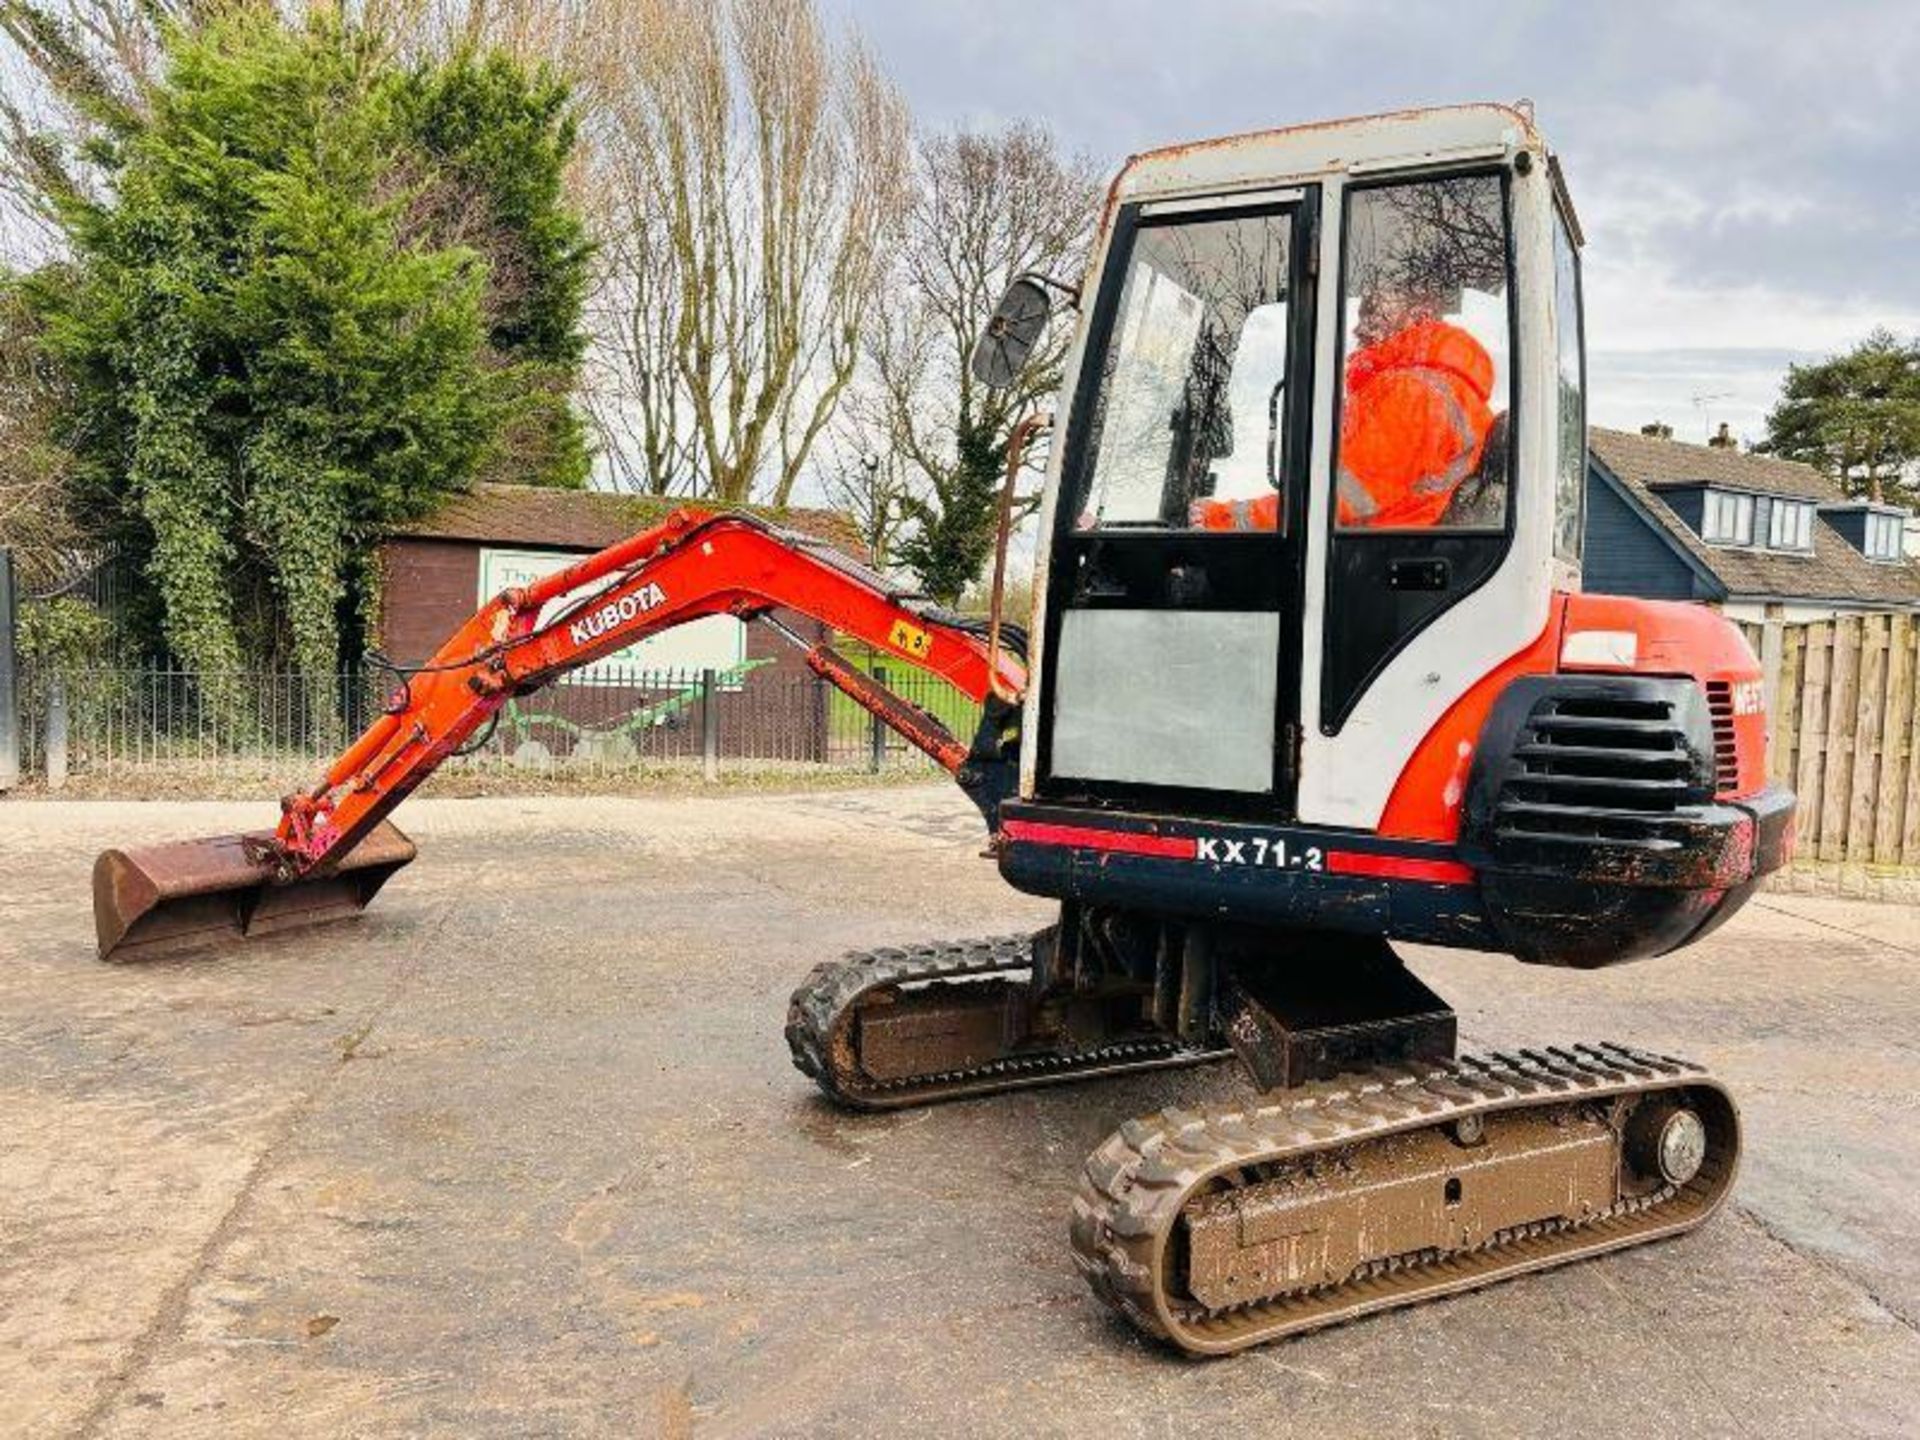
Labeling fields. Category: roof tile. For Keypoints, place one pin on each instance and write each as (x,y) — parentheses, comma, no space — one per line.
(539,516)
(1835,570)
(1658,463)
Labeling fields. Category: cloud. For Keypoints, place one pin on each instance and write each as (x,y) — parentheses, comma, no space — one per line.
(1745,172)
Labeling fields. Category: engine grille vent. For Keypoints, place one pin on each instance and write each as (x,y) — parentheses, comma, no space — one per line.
(1598,768)
(1726,753)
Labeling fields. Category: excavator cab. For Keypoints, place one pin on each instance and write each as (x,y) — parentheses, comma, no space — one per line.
(1309,673)
(1312,540)
(1232,616)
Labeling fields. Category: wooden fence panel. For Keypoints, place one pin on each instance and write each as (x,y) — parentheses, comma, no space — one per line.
(1843,717)
(1769,643)
(1910,825)
(1793,666)
(1836,765)
(1864,744)
(1813,732)
(1896,748)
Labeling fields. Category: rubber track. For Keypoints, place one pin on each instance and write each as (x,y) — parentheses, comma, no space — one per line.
(827,999)
(1140,1180)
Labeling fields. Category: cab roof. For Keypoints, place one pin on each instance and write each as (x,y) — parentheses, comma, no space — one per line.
(1300,152)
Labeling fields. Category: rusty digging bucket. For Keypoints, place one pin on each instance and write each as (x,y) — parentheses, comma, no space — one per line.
(189,894)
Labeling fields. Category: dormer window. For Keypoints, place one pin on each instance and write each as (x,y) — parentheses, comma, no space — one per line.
(1790,527)
(1727,518)
(1883,535)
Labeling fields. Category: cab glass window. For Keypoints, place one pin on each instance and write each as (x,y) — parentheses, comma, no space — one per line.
(1570,477)
(1186,430)
(1425,378)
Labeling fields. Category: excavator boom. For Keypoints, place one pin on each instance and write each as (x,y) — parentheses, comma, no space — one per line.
(334,848)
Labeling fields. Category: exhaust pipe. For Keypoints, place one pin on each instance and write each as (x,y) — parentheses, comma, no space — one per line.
(190,894)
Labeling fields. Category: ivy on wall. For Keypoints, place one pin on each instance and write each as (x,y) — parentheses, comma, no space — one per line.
(60,632)
(322,292)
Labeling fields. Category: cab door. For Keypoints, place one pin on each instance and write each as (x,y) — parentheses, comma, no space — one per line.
(1421,514)
(1173,643)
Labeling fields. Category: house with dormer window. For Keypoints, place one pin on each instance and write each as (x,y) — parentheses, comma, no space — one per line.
(1751,534)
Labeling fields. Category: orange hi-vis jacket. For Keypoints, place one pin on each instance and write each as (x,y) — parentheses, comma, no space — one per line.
(1413,424)
(1260,513)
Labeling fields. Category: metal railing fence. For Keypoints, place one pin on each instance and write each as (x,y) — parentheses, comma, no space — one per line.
(156,725)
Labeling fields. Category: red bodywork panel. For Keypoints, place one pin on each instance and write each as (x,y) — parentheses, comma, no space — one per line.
(693,564)
(1669,638)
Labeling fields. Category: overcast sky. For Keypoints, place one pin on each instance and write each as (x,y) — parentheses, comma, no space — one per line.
(1748,175)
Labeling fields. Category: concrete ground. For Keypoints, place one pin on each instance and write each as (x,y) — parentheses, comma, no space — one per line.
(521,1153)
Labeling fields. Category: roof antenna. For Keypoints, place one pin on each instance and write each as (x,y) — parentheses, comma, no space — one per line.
(1703,402)
(1525,106)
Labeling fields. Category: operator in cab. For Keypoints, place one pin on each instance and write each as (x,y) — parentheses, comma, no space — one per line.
(1414,420)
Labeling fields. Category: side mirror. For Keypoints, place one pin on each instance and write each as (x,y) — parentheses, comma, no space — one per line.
(1002,350)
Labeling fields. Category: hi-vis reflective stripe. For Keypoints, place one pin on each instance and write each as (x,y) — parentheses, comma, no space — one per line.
(1360,503)
(1399,867)
(1442,386)
(1238,514)
(1355,498)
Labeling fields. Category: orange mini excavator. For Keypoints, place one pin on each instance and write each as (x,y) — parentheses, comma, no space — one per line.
(1308,673)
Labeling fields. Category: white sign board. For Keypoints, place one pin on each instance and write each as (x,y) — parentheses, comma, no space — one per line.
(713,642)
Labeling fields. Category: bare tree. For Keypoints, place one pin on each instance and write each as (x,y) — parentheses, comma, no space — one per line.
(36,518)
(98,52)
(84,70)
(864,477)
(748,173)
(745,174)
(81,72)
(987,207)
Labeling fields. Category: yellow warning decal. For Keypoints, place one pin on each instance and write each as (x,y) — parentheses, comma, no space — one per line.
(909,639)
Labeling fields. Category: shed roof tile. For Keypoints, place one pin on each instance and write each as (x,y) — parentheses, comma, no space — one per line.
(545,518)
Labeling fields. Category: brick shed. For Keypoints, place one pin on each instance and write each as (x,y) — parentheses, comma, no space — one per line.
(437,570)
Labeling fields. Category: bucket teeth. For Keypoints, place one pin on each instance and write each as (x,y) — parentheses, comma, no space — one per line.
(191,894)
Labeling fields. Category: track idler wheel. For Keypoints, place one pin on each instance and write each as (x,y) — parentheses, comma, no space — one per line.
(1666,1141)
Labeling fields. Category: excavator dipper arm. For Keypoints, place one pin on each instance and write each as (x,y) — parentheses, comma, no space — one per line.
(692,565)
(331,850)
